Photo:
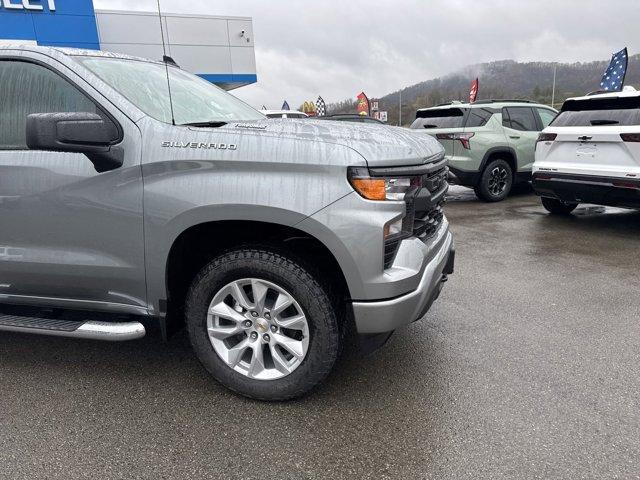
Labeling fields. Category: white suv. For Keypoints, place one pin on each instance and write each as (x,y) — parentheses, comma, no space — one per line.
(591,153)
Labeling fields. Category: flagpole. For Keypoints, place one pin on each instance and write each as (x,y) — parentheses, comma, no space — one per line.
(553,91)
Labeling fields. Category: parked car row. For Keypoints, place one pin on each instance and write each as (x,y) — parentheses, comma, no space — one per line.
(271,241)
(589,152)
(339,117)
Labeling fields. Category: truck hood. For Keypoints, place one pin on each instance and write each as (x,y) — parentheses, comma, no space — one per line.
(380,145)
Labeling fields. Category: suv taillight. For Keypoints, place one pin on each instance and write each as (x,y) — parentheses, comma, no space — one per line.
(547,137)
(630,137)
(463,137)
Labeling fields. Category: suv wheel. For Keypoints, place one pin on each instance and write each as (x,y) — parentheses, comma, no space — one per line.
(495,182)
(262,324)
(558,207)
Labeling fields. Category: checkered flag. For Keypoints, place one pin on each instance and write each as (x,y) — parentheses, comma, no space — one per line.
(321,107)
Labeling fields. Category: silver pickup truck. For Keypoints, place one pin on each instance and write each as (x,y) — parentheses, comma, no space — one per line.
(133,193)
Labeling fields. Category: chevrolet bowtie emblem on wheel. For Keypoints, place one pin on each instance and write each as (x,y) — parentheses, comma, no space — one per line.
(201,145)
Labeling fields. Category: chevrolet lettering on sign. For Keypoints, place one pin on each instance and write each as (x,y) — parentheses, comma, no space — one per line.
(28,4)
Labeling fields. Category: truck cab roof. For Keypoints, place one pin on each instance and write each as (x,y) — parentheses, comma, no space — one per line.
(70,52)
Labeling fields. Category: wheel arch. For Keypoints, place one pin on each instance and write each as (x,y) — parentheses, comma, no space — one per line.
(191,248)
(505,153)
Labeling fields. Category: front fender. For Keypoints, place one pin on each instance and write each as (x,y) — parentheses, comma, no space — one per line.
(161,237)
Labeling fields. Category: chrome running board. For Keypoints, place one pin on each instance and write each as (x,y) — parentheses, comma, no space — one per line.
(89,329)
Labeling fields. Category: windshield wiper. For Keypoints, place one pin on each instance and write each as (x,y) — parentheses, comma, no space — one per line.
(204,124)
(604,122)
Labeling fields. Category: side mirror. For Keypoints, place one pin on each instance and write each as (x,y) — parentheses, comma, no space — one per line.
(81,132)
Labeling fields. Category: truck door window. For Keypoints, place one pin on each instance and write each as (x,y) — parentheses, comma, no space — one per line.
(29,88)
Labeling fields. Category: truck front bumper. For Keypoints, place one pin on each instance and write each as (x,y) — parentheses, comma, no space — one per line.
(374,317)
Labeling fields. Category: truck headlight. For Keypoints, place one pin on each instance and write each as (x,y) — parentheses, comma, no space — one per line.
(381,188)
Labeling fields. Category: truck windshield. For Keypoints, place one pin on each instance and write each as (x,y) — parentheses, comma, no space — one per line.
(195,101)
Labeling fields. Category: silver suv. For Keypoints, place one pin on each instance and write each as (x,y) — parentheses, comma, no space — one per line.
(124,204)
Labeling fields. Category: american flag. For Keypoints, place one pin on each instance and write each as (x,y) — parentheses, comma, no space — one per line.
(613,78)
(321,107)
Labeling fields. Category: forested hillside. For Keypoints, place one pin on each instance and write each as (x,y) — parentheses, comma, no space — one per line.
(501,79)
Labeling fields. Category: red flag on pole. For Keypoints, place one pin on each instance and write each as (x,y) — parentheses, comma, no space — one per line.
(363,104)
(473,94)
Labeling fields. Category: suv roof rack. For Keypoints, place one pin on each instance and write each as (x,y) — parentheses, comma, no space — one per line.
(506,100)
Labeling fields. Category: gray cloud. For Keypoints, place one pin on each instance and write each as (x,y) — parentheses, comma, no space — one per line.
(338,48)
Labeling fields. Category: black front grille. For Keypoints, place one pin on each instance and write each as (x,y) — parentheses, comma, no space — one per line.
(426,224)
(390,250)
(427,205)
(424,210)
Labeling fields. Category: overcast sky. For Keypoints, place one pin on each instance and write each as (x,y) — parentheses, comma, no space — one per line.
(337,48)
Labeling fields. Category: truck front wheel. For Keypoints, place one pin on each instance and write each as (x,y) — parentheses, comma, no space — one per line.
(263,324)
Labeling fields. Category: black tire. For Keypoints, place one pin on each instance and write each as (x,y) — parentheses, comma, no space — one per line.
(496,171)
(314,297)
(558,207)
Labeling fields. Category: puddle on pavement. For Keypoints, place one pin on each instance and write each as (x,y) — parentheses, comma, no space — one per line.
(460,194)
(596,210)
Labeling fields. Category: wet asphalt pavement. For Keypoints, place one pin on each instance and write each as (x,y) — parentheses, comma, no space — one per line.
(528,366)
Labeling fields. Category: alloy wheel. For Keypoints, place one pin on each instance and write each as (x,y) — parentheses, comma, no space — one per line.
(258,329)
(498,180)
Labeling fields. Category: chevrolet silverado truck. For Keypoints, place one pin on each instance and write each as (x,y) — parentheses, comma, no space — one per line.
(133,193)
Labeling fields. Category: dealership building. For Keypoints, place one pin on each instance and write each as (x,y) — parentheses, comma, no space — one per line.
(219,49)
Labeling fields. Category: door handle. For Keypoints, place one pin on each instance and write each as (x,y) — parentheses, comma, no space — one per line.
(514,137)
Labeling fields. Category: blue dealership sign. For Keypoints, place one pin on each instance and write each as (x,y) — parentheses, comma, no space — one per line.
(76,24)
(56,23)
